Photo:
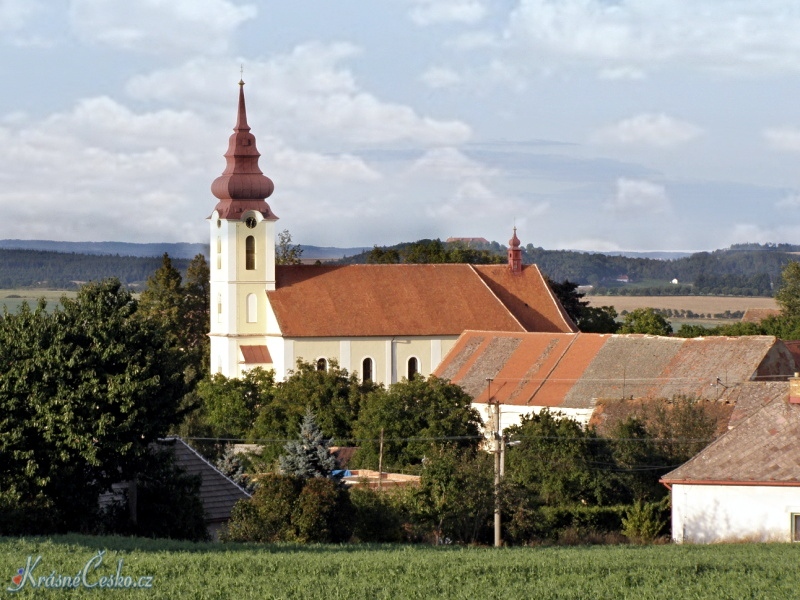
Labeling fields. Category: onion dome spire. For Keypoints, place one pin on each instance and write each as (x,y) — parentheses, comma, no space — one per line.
(515,254)
(242,186)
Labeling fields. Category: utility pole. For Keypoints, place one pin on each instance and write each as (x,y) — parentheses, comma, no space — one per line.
(498,450)
(380,463)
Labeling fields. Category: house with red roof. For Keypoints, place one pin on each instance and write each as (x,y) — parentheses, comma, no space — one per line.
(385,322)
(746,485)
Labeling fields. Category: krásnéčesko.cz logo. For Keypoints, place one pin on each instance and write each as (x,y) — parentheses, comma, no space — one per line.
(87,577)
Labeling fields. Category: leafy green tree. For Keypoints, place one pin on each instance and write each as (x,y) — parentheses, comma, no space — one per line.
(788,295)
(645,320)
(598,319)
(309,455)
(383,256)
(285,252)
(196,313)
(416,416)
(456,495)
(556,462)
(162,300)
(83,392)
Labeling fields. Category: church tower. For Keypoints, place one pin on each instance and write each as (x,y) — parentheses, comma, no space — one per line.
(242,229)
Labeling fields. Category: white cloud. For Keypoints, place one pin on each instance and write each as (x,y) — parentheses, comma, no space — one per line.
(791,201)
(15,14)
(429,12)
(473,40)
(621,73)
(785,138)
(159,26)
(449,163)
(440,77)
(657,130)
(719,34)
(307,94)
(742,233)
(637,196)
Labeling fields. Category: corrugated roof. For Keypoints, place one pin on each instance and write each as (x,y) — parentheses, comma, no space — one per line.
(418,300)
(575,370)
(256,355)
(217,492)
(761,450)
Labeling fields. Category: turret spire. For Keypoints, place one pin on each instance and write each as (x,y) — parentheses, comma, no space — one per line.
(514,254)
(242,186)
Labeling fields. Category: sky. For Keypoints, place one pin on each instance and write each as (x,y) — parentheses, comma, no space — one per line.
(646,125)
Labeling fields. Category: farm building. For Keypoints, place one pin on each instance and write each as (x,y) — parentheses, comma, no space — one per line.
(382,321)
(592,377)
(745,485)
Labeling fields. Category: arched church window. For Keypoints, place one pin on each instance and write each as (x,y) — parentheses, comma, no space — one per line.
(250,253)
(322,364)
(219,252)
(252,308)
(219,308)
(366,369)
(413,367)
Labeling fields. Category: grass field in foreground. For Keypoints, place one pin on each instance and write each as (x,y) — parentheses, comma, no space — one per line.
(184,570)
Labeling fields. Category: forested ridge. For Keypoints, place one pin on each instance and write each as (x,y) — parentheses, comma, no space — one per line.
(58,270)
(744,269)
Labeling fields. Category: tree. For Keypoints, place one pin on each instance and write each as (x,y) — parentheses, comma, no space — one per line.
(645,320)
(788,296)
(416,416)
(285,252)
(196,313)
(83,392)
(309,455)
(598,319)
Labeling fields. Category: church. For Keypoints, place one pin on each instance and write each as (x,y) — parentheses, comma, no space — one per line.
(384,322)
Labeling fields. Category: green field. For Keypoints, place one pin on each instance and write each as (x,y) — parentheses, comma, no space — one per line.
(185,570)
(13,299)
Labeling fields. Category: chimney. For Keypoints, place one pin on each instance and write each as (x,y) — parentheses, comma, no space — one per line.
(794,389)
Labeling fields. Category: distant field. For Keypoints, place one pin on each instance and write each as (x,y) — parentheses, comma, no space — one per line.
(13,299)
(184,570)
(698,304)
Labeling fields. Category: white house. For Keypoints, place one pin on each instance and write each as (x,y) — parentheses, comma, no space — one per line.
(746,485)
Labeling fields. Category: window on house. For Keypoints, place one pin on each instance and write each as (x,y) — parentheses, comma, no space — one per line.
(322,364)
(366,369)
(413,367)
(796,527)
(250,253)
(252,308)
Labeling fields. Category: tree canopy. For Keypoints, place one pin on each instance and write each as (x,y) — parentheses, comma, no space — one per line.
(645,320)
(83,392)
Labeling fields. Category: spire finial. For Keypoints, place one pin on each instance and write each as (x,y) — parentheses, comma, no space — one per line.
(241,74)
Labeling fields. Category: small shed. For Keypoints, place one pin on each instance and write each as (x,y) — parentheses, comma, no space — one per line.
(746,485)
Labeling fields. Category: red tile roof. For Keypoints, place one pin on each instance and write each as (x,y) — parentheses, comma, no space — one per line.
(762,450)
(256,355)
(575,370)
(411,300)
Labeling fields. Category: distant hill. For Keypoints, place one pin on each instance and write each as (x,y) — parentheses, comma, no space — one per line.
(175,250)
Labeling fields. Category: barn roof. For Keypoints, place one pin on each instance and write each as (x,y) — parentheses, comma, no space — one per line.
(575,370)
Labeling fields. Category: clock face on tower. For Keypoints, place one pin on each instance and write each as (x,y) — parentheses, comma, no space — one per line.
(251,222)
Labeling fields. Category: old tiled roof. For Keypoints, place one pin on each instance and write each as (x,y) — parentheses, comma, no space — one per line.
(256,355)
(575,370)
(217,492)
(411,300)
(762,450)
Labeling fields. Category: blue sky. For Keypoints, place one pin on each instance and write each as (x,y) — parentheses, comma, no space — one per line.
(591,124)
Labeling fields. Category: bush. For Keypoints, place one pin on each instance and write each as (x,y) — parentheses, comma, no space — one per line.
(286,508)
(553,523)
(322,513)
(377,516)
(645,521)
